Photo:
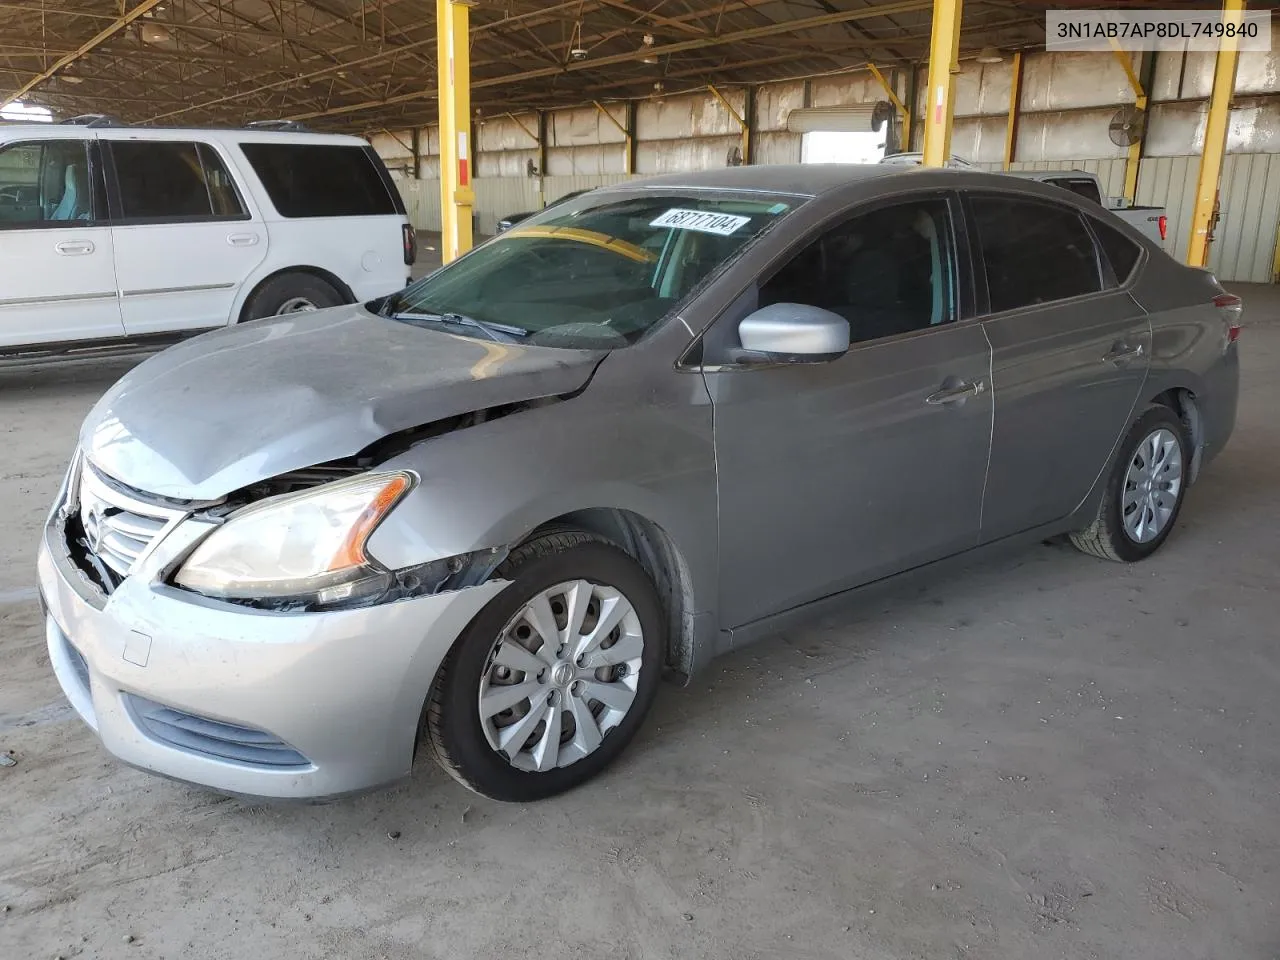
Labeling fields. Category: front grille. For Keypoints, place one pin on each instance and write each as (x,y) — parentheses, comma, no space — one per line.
(117,526)
(213,737)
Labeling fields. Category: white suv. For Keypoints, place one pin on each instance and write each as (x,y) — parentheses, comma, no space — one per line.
(123,235)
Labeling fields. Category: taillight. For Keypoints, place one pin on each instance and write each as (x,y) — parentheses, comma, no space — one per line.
(1163,223)
(1231,307)
(410,244)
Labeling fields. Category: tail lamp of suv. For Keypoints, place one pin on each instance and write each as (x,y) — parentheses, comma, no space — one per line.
(410,244)
(1163,224)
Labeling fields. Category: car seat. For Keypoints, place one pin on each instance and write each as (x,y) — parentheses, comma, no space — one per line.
(75,192)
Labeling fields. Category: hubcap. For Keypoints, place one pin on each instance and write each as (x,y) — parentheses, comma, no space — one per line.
(1152,486)
(296,305)
(562,674)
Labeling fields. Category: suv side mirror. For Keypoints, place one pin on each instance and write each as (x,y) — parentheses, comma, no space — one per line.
(791,333)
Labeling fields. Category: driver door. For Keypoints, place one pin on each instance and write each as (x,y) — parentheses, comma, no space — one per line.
(836,474)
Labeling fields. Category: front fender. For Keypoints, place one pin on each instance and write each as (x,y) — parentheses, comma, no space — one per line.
(492,484)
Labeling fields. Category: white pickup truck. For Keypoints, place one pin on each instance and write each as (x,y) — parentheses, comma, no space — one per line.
(1150,220)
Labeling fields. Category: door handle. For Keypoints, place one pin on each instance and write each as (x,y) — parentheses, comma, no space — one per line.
(74,248)
(242,239)
(954,394)
(1122,353)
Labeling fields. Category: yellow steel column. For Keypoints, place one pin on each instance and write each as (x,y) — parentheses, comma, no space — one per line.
(743,124)
(626,137)
(1015,102)
(456,194)
(1215,140)
(944,51)
(1134,158)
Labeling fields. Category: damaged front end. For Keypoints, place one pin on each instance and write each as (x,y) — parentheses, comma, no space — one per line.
(296,542)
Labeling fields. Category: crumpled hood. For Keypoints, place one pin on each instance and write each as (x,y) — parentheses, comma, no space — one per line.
(229,408)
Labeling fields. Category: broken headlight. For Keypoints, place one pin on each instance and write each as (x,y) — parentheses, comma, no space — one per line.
(303,548)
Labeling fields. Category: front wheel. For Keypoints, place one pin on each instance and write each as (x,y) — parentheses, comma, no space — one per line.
(553,678)
(1144,492)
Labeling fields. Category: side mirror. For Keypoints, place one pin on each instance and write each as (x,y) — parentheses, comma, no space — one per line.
(792,333)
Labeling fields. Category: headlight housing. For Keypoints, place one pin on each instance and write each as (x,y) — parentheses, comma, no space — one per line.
(304,549)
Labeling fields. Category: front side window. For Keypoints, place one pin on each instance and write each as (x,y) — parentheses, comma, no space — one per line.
(320,180)
(44,183)
(1034,252)
(887,272)
(597,277)
(172,182)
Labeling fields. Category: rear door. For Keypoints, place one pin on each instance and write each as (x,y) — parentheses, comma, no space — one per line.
(1071,351)
(335,206)
(184,238)
(57,273)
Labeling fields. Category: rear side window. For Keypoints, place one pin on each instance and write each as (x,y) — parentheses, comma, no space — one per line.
(315,180)
(173,182)
(1121,252)
(1033,252)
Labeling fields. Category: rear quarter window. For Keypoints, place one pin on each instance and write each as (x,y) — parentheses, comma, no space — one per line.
(319,180)
(1120,251)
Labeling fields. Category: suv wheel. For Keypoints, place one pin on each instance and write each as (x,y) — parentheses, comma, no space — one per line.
(292,293)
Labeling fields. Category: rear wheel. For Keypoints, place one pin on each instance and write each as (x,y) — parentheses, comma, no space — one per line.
(1144,492)
(553,678)
(292,293)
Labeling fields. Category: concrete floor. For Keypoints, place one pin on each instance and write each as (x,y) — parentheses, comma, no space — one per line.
(1044,756)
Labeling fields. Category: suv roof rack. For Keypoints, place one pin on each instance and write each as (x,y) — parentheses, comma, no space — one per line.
(93,120)
(291,126)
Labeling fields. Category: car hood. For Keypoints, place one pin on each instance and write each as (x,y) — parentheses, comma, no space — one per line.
(229,408)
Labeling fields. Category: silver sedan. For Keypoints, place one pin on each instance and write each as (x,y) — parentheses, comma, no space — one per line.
(483,516)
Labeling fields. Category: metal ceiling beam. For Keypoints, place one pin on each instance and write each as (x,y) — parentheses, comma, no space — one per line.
(654,18)
(544,15)
(773,29)
(105,33)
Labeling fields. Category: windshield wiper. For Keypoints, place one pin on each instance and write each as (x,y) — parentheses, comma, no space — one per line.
(492,330)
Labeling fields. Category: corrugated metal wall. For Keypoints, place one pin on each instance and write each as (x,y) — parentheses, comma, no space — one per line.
(1170,182)
(1067,101)
(1245,244)
(495,196)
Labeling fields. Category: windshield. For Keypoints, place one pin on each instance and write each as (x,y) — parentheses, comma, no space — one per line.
(599,276)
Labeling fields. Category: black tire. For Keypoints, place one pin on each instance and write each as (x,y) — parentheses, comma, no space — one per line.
(277,294)
(1106,537)
(454,733)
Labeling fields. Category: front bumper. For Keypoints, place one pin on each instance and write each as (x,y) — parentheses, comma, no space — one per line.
(344,690)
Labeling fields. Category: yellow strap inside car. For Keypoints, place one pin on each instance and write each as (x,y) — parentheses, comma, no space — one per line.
(605,242)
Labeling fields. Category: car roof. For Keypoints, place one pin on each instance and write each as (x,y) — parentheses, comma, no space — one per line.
(816,179)
(802,179)
(1058,172)
(24,131)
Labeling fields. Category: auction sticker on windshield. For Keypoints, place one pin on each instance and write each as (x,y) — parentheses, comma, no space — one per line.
(702,220)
